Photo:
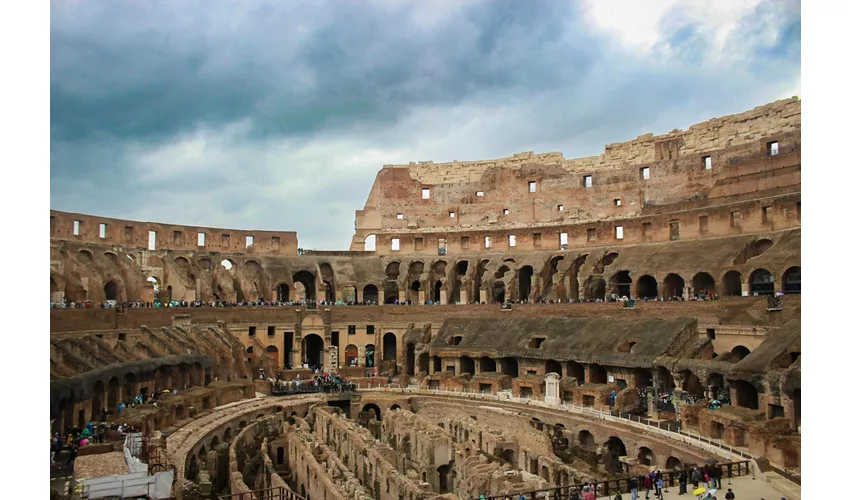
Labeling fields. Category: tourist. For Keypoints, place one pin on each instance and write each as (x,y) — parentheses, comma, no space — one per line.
(647,484)
(683,482)
(730,495)
(659,483)
(633,487)
(695,477)
(716,476)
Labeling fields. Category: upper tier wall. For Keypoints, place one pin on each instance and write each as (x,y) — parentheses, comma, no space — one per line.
(721,161)
(131,234)
(777,118)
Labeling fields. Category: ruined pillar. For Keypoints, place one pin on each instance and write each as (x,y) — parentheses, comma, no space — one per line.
(553,389)
(485,296)
(463,299)
(402,296)
(477,362)
(422,296)
(444,296)
(380,296)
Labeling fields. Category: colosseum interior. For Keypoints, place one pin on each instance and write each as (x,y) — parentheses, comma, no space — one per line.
(528,324)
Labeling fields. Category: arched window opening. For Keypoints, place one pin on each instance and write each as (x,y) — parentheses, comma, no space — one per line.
(732,284)
(761,283)
(621,284)
(791,281)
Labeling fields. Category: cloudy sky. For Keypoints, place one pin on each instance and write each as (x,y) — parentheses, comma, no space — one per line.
(279,114)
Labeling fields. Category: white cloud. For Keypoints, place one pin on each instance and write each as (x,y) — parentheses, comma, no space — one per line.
(641,26)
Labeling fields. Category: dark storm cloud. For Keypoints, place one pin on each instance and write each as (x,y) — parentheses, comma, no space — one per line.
(278,115)
(357,64)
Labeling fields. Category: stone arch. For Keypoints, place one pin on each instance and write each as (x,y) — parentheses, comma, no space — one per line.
(205,264)
(351,353)
(692,385)
(586,440)
(552,366)
(282,292)
(370,294)
(395,407)
(229,266)
(703,283)
(111,257)
(313,350)
(646,457)
(732,284)
(467,365)
(674,286)
(488,365)
(740,352)
(390,292)
(621,284)
(438,287)
(328,281)
(272,353)
(791,280)
(761,283)
(499,291)
(110,291)
(308,281)
(576,371)
(594,288)
(389,347)
(392,270)
(373,410)
(616,447)
(510,367)
(182,263)
(673,463)
(74,292)
(524,278)
(647,287)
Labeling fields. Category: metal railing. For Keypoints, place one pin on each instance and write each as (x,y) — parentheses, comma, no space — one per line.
(346,388)
(276,493)
(608,487)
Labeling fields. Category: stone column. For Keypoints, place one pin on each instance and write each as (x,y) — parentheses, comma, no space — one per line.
(402,295)
(463,299)
(485,295)
(553,392)
(444,297)
(380,295)
(422,296)
(477,362)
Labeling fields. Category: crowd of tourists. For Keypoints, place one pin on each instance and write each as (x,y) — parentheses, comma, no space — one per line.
(76,438)
(159,304)
(320,382)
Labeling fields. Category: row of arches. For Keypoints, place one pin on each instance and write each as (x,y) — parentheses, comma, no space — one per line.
(760,281)
(505,281)
(313,351)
